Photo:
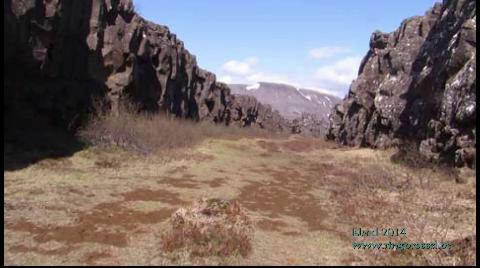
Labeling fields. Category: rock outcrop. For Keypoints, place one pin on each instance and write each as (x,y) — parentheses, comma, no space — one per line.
(59,55)
(310,125)
(417,84)
(248,111)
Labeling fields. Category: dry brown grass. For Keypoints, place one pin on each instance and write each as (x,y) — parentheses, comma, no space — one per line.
(147,133)
(427,217)
(210,227)
(111,207)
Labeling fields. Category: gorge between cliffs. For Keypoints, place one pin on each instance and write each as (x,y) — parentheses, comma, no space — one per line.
(119,149)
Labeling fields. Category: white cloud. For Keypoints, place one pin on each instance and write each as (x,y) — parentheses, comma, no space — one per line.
(333,79)
(244,67)
(246,71)
(341,73)
(327,52)
(237,67)
(252,60)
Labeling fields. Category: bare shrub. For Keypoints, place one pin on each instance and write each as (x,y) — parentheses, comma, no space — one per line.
(210,227)
(148,132)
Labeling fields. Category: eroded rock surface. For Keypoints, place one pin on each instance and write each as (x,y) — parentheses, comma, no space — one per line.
(417,83)
(60,54)
(248,111)
(310,125)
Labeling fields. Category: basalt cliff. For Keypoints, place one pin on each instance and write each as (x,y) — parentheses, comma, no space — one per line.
(417,84)
(60,55)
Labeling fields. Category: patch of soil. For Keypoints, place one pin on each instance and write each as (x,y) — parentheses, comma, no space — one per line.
(36,192)
(75,191)
(55,208)
(58,251)
(80,233)
(287,195)
(153,195)
(291,233)
(271,225)
(188,176)
(179,182)
(271,147)
(217,182)
(94,226)
(92,257)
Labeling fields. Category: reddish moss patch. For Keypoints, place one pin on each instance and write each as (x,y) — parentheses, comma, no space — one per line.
(51,252)
(94,225)
(92,257)
(287,195)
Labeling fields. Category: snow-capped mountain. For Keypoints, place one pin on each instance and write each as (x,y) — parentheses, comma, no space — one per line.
(288,100)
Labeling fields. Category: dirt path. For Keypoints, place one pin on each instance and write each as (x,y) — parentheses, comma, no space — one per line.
(304,195)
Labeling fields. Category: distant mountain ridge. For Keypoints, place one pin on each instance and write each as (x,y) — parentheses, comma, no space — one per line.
(289,101)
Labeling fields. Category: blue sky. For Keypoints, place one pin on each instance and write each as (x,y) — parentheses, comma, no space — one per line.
(308,43)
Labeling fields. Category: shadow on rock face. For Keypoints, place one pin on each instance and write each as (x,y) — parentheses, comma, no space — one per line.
(50,76)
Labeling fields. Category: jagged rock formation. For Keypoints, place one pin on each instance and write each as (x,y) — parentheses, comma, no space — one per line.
(310,125)
(247,111)
(60,54)
(418,84)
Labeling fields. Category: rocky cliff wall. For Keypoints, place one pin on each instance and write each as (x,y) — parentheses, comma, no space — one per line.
(61,54)
(418,84)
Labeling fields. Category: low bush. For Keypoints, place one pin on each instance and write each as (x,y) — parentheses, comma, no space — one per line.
(210,227)
(150,132)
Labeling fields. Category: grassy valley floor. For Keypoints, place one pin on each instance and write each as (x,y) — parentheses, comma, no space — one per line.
(304,195)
